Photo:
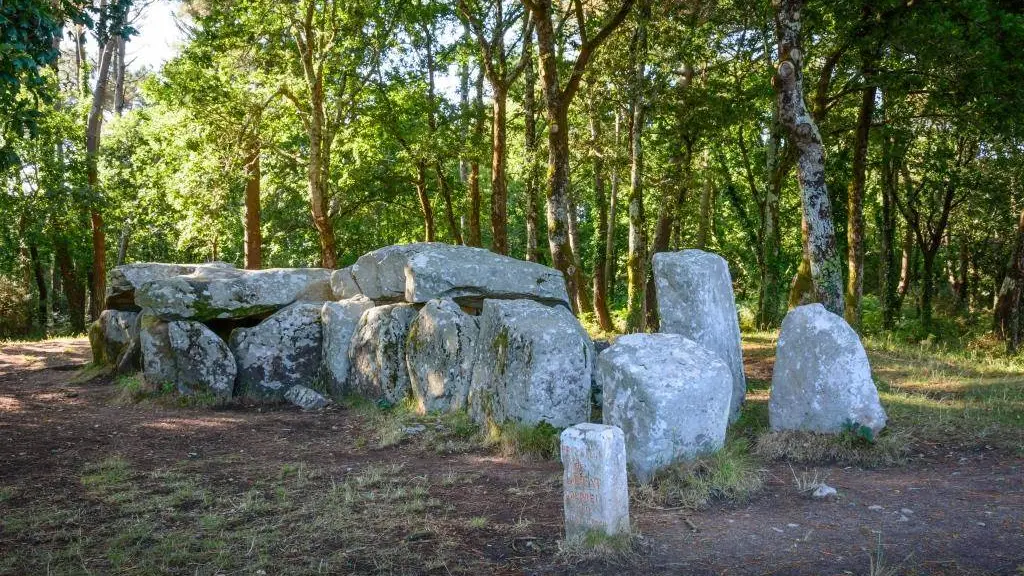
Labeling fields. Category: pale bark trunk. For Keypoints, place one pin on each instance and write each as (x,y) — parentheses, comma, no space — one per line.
(119,77)
(122,243)
(94,126)
(826,270)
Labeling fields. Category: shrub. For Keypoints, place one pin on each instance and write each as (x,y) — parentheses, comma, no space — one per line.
(15,307)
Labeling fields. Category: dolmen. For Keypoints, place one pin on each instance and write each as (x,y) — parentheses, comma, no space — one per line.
(447,327)
(450,328)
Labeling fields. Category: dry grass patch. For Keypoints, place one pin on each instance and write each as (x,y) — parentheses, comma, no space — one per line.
(730,474)
(596,547)
(889,448)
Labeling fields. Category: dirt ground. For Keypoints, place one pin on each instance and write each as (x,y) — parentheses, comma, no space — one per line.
(948,511)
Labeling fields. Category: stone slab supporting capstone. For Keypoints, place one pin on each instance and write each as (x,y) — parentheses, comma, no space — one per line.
(668,394)
(187,355)
(112,336)
(595,493)
(343,284)
(339,320)
(376,355)
(533,365)
(280,352)
(440,351)
(822,379)
(695,300)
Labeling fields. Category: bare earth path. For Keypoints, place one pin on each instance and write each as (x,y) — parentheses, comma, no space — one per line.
(945,512)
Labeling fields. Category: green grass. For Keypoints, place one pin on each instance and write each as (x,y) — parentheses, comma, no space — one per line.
(730,475)
(596,547)
(540,442)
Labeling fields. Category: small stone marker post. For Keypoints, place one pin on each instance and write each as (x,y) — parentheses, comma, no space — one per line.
(594,480)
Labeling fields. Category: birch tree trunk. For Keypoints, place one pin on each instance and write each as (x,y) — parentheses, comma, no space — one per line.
(826,271)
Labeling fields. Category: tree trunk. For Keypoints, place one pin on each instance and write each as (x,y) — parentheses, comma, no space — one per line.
(72,285)
(474,167)
(253,234)
(671,199)
(1006,316)
(421,193)
(706,206)
(583,301)
(499,190)
(318,171)
(533,252)
(93,129)
(40,278)
(906,266)
(604,318)
(927,289)
(888,273)
(778,163)
(825,268)
(613,205)
(801,290)
(122,243)
(636,269)
(855,208)
(449,208)
(119,76)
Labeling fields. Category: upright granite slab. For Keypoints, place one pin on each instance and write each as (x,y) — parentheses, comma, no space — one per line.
(343,284)
(339,320)
(594,488)
(532,365)
(280,352)
(431,270)
(187,355)
(695,300)
(376,355)
(112,336)
(668,394)
(223,292)
(440,352)
(822,379)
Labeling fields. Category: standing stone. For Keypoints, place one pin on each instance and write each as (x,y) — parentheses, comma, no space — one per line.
(595,494)
(532,365)
(430,270)
(221,292)
(695,300)
(187,355)
(440,355)
(339,321)
(112,335)
(280,352)
(343,284)
(668,394)
(822,379)
(377,368)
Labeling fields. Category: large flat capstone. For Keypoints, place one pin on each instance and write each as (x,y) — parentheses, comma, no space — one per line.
(224,292)
(124,280)
(187,355)
(377,367)
(822,379)
(695,300)
(594,488)
(532,365)
(668,394)
(280,352)
(339,321)
(430,270)
(440,352)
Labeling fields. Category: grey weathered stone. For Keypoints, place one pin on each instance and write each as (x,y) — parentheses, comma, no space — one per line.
(222,292)
(822,379)
(305,398)
(695,300)
(430,270)
(280,352)
(669,395)
(595,492)
(339,321)
(124,280)
(823,491)
(343,285)
(440,354)
(532,365)
(112,336)
(377,368)
(187,355)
